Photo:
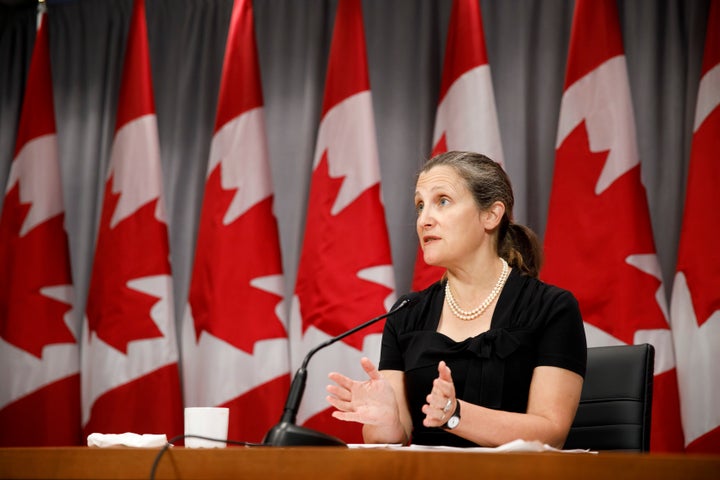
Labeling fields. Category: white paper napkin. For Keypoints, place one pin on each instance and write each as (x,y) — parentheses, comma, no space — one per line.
(126,440)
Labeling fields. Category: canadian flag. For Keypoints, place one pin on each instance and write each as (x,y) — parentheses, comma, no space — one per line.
(235,345)
(695,306)
(599,242)
(130,378)
(466,117)
(39,329)
(345,275)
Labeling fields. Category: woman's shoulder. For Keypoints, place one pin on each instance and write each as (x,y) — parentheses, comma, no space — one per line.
(530,299)
(533,287)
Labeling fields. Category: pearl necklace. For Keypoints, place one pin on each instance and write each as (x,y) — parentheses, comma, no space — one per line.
(477,311)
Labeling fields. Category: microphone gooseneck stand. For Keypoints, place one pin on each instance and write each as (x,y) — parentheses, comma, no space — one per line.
(287,433)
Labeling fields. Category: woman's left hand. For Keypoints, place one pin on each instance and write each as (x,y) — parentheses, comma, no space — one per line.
(441,401)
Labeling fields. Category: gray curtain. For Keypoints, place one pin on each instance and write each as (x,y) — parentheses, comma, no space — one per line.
(527,46)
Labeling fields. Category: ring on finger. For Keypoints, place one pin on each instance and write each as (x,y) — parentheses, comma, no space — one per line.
(447,406)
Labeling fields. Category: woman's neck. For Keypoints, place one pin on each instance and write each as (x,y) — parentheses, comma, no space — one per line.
(472,282)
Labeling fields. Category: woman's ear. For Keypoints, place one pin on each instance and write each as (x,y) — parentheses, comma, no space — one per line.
(493,215)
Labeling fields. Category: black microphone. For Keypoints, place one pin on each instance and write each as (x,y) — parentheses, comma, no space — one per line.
(286,433)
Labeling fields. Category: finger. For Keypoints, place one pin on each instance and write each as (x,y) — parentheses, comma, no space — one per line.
(370,369)
(433,414)
(444,382)
(444,372)
(437,398)
(441,391)
(339,392)
(341,380)
(431,419)
(341,405)
(348,416)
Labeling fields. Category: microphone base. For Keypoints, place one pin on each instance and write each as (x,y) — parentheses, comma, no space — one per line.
(286,434)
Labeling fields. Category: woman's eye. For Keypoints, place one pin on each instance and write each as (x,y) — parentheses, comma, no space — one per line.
(418,208)
(443,201)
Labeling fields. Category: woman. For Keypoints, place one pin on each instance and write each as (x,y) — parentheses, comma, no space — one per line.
(489,353)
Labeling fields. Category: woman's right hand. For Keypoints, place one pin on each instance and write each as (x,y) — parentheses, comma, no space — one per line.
(371,402)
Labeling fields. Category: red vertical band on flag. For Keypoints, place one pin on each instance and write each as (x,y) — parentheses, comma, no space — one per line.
(595,37)
(240,86)
(465,48)
(136,92)
(35,122)
(347,67)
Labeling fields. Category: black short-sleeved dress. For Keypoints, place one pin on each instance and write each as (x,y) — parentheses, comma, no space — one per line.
(533,324)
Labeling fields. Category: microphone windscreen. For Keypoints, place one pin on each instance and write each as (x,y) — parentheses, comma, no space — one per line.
(407,300)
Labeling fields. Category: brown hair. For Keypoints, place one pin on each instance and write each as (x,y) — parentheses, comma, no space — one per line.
(488,183)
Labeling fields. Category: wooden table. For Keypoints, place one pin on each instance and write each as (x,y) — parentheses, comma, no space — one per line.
(319,463)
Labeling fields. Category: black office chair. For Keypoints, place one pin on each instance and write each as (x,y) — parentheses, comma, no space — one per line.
(616,401)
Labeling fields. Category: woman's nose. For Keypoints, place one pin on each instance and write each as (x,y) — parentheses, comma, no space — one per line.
(425,219)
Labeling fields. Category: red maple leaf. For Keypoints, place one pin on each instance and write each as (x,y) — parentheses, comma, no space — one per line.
(28,319)
(336,247)
(589,238)
(227,259)
(134,248)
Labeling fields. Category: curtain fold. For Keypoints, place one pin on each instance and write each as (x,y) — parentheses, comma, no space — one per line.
(17,37)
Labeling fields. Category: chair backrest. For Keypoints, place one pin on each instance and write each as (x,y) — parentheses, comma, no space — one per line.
(616,401)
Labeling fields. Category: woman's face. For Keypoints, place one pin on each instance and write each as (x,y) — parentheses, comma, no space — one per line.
(449,225)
